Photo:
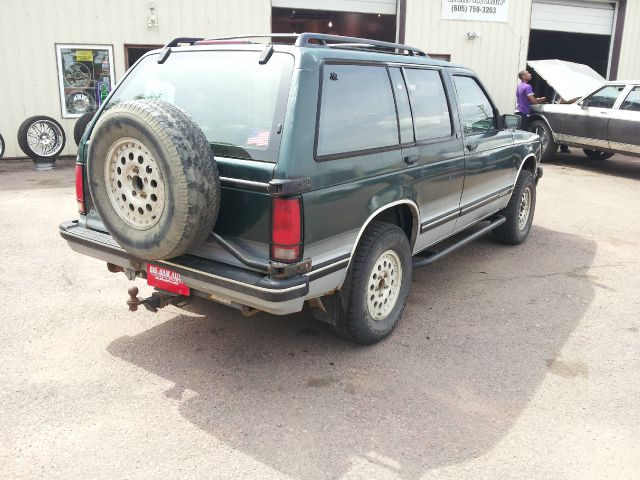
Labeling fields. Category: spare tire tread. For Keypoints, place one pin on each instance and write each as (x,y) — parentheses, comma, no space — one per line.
(193,197)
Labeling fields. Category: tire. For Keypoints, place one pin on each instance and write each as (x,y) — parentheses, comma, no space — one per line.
(549,147)
(359,318)
(41,137)
(597,154)
(1,146)
(518,212)
(81,126)
(163,199)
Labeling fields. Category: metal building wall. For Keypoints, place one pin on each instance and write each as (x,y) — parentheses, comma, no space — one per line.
(30,29)
(629,66)
(497,56)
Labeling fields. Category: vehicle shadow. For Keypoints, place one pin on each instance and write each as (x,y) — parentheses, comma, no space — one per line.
(481,330)
(622,166)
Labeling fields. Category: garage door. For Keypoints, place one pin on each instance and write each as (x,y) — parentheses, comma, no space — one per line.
(383,7)
(573,16)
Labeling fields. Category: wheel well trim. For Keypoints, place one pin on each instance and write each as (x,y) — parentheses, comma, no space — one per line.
(524,160)
(539,116)
(415,210)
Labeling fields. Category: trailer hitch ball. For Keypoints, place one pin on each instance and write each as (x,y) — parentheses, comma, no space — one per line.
(133,301)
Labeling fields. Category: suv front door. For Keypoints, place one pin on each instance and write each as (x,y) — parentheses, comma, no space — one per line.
(489,165)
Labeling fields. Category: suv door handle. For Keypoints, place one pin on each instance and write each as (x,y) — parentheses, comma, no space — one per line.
(471,146)
(411,159)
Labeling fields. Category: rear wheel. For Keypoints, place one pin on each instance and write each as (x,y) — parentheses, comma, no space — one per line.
(597,154)
(376,288)
(518,212)
(549,147)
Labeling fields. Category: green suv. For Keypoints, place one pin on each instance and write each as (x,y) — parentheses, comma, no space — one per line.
(306,168)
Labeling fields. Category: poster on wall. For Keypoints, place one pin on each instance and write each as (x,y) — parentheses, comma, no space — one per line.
(478,10)
(85,76)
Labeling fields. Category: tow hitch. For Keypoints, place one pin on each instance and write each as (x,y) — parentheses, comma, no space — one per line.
(155,301)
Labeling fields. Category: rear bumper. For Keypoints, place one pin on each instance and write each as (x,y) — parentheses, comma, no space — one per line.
(220,282)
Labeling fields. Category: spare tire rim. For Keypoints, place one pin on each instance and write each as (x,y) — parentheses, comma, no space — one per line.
(135,183)
(383,287)
(525,209)
(45,138)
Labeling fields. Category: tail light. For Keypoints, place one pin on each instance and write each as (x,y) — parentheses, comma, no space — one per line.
(80,187)
(286,230)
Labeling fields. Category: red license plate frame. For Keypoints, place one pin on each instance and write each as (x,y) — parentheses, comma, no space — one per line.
(166,279)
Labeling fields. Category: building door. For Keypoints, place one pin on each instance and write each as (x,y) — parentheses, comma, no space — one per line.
(133,52)
(352,18)
(577,31)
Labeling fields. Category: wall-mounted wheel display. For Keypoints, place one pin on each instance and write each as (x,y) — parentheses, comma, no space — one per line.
(81,126)
(77,75)
(80,101)
(41,138)
(1,146)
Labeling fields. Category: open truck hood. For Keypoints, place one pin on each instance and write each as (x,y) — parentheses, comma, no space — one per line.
(568,79)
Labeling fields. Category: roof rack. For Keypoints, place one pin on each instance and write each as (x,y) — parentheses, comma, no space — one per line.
(309,40)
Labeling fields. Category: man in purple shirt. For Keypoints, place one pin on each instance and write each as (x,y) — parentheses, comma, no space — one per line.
(525,98)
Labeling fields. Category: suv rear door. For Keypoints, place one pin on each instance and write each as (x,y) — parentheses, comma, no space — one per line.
(431,149)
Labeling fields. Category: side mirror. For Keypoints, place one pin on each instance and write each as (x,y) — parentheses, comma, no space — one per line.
(511,122)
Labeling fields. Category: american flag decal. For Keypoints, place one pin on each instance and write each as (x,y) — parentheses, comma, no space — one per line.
(258,137)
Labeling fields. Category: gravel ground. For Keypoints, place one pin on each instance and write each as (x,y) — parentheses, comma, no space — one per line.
(509,363)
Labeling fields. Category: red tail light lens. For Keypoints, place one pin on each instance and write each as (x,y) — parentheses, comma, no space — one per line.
(80,188)
(286,230)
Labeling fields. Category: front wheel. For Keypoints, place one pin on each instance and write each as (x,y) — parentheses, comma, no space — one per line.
(597,154)
(549,147)
(377,285)
(518,212)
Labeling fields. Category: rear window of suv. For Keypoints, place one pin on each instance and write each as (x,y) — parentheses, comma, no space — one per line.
(238,103)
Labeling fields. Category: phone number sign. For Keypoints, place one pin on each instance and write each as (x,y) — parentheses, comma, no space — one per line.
(479,10)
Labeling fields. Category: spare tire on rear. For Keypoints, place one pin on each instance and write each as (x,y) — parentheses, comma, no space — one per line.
(153,178)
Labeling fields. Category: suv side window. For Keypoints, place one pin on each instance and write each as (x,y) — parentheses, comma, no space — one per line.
(476,112)
(429,103)
(632,102)
(603,98)
(357,111)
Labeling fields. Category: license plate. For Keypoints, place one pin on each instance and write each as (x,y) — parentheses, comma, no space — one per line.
(166,279)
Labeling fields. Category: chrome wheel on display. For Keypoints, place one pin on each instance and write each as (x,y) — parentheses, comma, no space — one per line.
(384,285)
(77,75)
(135,183)
(44,138)
(41,138)
(80,102)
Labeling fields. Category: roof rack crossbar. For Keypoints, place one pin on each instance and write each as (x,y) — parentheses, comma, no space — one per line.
(177,41)
(166,50)
(305,39)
